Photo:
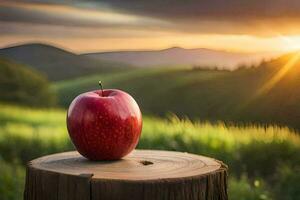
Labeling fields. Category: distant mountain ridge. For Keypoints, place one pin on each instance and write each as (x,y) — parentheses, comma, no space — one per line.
(59,64)
(180,56)
(55,63)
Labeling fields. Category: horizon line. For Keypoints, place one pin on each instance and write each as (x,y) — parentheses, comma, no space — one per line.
(12,45)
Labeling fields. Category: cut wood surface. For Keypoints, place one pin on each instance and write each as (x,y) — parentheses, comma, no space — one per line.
(143,174)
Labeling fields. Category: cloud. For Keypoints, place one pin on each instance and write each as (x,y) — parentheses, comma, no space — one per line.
(232,10)
(258,17)
(264,18)
(75,32)
(70,16)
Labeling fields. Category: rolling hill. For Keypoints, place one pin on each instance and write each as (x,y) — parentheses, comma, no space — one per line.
(56,63)
(180,56)
(22,85)
(242,96)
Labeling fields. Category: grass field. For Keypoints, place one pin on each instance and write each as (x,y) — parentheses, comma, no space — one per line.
(263,162)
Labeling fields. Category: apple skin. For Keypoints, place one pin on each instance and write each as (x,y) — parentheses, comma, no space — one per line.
(104,124)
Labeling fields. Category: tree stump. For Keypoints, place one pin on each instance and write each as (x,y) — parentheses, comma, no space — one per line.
(142,175)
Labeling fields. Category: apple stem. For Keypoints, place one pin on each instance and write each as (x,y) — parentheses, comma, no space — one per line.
(100,83)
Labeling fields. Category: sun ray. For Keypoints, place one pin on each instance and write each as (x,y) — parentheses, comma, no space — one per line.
(278,76)
(272,81)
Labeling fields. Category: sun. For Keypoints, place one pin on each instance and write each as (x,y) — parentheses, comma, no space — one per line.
(290,43)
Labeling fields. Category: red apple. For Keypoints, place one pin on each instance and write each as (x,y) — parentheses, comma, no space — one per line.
(104,124)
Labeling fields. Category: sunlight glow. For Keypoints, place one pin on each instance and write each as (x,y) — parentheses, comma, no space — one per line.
(272,82)
(279,75)
(292,43)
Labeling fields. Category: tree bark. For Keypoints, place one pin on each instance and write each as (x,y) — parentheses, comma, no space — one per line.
(142,175)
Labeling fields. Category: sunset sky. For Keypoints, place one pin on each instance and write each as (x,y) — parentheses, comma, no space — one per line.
(86,26)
